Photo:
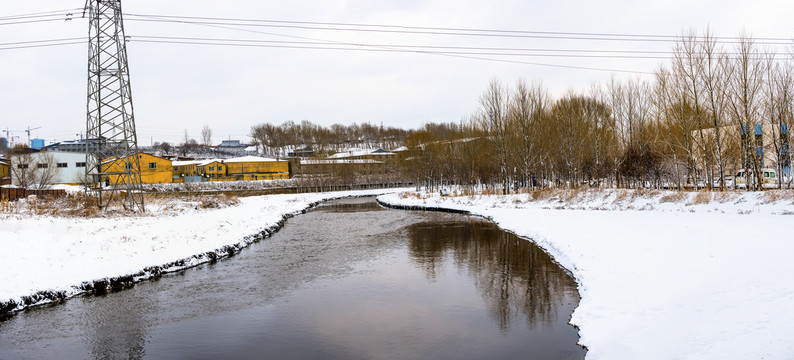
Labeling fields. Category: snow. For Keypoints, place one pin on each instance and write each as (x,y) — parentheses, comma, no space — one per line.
(662,275)
(60,255)
(249,158)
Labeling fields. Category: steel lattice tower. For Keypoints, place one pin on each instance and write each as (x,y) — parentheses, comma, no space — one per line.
(112,160)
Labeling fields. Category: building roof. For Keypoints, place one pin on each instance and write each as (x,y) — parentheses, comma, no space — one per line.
(184,162)
(139,153)
(208,161)
(196,162)
(340,161)
(354,153)
(249,159)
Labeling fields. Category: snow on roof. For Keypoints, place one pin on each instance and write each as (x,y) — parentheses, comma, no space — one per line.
(356,152)
(185,162)
(208,161)
(340,161)
(249,159)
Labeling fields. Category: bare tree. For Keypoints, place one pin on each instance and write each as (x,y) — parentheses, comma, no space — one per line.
(688,62)
(47,170)
(528,105)
(745,91)
(494,104)
(714,72)
(206,136)
(23,167)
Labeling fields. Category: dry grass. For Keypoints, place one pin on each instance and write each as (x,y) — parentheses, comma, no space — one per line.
(622,195)
(75,205)
(411,194)
(674,197)
(703,197)
(773,196)
(724,196)
(542,194)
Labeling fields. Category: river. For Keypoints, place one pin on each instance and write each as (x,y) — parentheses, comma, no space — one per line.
(347,280)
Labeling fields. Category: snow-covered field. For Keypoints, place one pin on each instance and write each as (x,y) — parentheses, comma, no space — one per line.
(45,258)
(662,275)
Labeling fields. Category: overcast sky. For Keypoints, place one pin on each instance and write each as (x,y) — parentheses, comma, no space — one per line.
(184,87)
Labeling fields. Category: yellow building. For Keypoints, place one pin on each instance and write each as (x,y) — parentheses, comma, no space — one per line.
(256,168)
(154,169)
(183,169)
(4,169)
(213,170)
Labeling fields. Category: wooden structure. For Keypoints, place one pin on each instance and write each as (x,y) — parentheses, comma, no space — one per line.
(14,194)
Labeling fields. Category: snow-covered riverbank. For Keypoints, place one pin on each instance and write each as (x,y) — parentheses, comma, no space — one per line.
(662,275)
(46,258)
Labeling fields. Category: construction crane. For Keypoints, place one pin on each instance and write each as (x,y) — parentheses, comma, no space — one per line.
(28,130)
(10,137)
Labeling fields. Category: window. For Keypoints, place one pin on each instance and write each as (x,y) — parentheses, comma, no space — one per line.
(42,166)
(80,164)
(63,165)
(153,165)
(129,166)
(22,166)
(176,168)
(212,168)
(220,168)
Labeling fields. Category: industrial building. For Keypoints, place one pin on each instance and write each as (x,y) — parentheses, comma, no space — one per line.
(239,168)
(5,176)
(62,167)
(154,169)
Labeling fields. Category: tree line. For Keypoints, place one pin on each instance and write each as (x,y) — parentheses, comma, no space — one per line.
(277,140)
(713,110)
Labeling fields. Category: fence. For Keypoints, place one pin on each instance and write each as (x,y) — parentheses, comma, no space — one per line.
(14,194)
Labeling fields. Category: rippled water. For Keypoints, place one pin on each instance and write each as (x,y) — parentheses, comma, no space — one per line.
(347,280)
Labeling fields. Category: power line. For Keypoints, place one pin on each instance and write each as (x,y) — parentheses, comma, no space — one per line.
(335,26)
(33,21)
(57,12)
(42,43)
(333,42)
(401,50)
(496,54)
(494,51)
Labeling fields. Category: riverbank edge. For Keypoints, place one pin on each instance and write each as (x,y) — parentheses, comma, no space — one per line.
(553,253)
(110,284)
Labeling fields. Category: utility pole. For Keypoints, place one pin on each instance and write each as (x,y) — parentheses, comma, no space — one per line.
(113,171)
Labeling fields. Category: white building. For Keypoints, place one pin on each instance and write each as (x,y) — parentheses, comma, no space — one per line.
(70,166)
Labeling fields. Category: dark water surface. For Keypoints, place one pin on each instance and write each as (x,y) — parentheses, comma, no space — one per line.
(347,280)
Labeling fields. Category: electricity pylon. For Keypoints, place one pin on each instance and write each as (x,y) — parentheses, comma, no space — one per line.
(113,170)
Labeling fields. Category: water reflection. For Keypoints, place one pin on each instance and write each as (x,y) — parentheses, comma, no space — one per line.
(515,278)
(113,334)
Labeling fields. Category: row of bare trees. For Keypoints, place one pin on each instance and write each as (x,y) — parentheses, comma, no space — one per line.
(713,110)
(277,140)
